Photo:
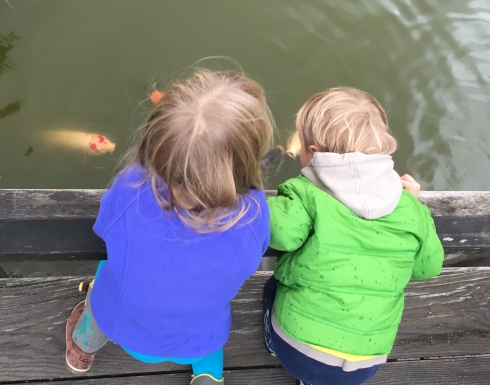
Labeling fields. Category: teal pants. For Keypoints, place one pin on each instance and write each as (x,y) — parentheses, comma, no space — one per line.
(211,364)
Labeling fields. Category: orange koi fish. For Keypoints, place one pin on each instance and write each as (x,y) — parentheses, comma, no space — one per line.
(156,96)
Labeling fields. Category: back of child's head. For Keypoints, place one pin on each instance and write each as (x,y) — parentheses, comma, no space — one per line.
(343,120)
(205,139)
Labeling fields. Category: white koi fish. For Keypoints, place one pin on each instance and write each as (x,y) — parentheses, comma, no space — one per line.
(92,144)
(294,145)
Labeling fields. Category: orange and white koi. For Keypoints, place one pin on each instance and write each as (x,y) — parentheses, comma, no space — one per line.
(92,144)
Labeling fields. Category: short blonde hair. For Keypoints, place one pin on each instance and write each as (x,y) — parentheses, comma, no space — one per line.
(345,120)
(205,139)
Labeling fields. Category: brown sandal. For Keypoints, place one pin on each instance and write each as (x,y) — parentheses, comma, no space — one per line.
(77,361)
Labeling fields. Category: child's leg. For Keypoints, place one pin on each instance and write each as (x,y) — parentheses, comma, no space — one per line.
(209,366)
(101,264)
(87,334)
(83,336)
(270,289)
(312,372)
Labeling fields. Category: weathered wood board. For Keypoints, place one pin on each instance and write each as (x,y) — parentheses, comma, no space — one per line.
(47,225)
(446,316)
(463,371)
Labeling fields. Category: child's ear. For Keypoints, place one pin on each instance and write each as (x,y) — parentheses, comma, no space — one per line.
(313,148)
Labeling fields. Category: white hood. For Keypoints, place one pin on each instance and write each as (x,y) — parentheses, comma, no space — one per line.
(366,184)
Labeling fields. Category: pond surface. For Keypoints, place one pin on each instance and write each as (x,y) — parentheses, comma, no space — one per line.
(89,65)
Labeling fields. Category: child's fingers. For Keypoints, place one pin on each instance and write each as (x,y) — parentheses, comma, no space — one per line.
(408,178)
(412,187)
(406,185)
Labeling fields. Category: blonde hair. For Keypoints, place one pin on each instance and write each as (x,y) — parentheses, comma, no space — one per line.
(345,120)
(205,139)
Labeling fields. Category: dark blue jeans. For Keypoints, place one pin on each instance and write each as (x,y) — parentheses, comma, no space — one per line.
(303,368)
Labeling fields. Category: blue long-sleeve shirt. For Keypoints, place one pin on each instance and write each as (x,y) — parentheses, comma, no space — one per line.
(166,289)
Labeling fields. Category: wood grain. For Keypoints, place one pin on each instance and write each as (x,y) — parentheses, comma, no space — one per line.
(49,225)
(3,273)
(49,204)
(445,316)
(462,371)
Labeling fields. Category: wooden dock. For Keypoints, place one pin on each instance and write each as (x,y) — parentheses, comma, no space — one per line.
(444,337)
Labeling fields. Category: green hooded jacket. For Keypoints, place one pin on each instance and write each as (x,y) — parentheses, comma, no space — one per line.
(342,278)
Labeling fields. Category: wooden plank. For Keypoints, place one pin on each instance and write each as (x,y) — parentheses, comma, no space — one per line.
(272,376)
(50,240)
(462,371)
(49,204)
(66,204)
(49,225)
(445,316)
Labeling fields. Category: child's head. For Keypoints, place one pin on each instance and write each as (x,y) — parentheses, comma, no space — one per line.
(205,139)
(342,120)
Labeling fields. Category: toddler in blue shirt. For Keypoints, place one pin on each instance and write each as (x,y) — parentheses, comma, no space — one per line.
(185,223)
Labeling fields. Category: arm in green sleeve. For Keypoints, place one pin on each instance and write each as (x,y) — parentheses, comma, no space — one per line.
(429,258)
(290,222)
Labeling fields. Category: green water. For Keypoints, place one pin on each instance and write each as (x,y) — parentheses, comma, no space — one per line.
(89,65)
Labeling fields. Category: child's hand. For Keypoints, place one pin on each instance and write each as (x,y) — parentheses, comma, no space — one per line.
(410,184)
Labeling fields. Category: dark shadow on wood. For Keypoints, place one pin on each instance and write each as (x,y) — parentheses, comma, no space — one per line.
(56,225)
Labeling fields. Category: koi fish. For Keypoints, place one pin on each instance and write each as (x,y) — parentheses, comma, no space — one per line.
(92,144)
(294,145)
(272,156)
(156,96)
(272,161)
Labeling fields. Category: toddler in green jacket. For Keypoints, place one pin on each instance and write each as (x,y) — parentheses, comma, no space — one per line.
(354,233)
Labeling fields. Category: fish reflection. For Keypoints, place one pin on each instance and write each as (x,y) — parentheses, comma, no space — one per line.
(272,161)
(10,109)
(293,149)
(272,156)
(6,44)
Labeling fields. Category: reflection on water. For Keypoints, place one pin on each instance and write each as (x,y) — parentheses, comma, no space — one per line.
(6,44)
(448,79)
(10,109)
(90,66)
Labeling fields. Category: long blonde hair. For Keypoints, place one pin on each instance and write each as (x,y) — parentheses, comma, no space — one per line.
(205,139)
(345,120)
